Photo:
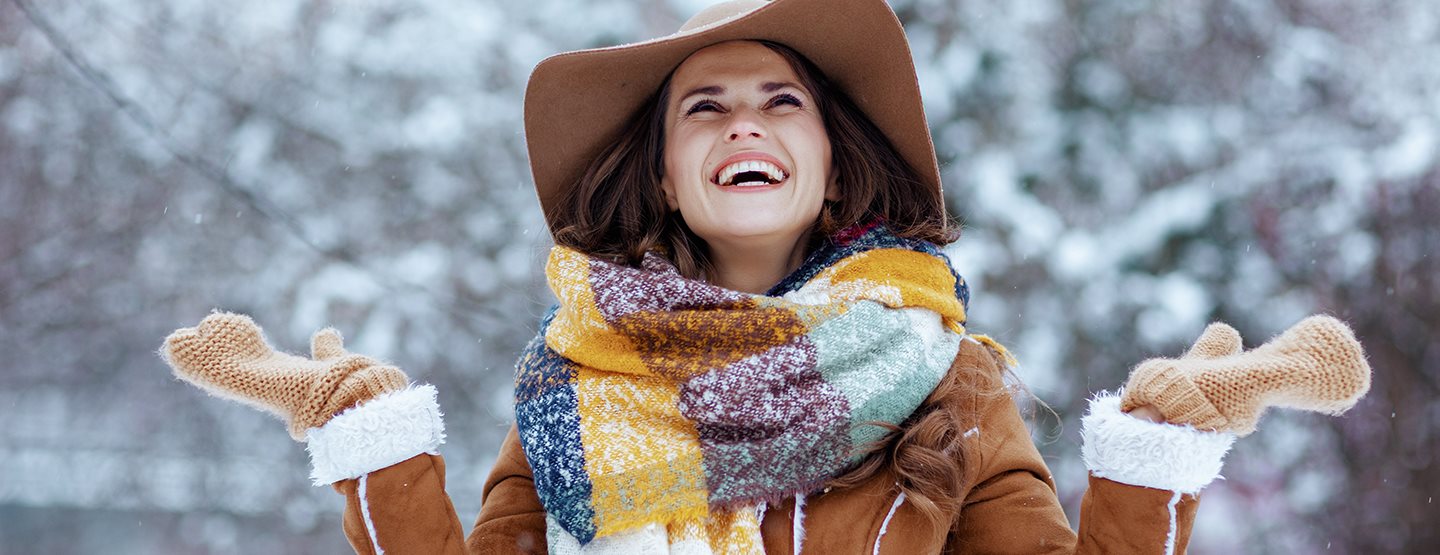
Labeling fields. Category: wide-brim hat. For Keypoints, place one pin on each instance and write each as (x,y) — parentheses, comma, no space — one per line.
(577,103)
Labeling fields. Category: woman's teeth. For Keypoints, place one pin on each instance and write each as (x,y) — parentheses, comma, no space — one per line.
(750,173)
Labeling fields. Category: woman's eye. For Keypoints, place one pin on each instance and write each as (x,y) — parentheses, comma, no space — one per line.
(703,106)
(786,99)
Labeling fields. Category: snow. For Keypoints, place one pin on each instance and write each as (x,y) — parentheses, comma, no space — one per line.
(1034,224)
(437,125)
(1174,305)
(334,283)
(22,116)
(250,149)
(1412,154)
(1126,172)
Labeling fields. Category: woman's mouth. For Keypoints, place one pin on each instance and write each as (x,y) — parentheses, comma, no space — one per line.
(749,173)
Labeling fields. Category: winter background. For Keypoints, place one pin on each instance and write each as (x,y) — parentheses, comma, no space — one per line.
(1126,171)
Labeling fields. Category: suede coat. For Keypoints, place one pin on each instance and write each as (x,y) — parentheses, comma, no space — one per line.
(1009,504)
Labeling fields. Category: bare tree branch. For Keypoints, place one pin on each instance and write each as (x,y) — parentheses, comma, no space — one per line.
(458,308)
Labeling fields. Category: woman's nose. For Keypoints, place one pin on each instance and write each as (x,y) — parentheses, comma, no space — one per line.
(745,124)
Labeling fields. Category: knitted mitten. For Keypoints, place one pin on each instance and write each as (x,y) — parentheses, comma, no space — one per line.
(1315,365)
(227,356)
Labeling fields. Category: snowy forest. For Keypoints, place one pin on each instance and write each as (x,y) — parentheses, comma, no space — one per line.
(1125,172)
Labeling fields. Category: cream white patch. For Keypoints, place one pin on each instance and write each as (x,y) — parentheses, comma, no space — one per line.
(378,433)
(1129,450)
(651,539)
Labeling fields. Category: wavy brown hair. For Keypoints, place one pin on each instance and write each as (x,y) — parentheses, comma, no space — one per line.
(617,211)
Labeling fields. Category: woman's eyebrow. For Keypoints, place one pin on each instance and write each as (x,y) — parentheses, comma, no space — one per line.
(717,90)
(710,90)
(777,85)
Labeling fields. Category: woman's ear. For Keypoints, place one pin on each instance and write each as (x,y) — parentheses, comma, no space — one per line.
(669,189)
(832,186)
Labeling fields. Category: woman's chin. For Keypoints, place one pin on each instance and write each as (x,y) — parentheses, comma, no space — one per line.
(759,231)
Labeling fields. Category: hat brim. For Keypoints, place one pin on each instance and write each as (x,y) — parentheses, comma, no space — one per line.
(577,103)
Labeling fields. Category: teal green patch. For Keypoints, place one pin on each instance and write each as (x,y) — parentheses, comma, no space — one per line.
(880,364)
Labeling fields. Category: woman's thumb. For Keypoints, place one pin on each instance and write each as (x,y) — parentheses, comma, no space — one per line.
(327,343)
(1218,340)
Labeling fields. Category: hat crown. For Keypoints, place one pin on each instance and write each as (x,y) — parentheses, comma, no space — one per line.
(579,102)
(720,13)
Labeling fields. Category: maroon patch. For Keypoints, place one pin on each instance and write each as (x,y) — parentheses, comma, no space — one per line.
(766,421)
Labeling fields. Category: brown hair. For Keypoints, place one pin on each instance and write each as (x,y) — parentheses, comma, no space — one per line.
(617,211)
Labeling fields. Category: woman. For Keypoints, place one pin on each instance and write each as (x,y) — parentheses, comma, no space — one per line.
(759,345)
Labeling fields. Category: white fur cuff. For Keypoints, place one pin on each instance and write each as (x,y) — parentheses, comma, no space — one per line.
(1129,450)
(378,433)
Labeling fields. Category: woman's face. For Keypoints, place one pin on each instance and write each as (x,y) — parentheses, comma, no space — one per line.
(747,160)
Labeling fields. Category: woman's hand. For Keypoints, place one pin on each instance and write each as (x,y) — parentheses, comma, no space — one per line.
(1317,365)
(1218,340)
(1147,412)
(227,356)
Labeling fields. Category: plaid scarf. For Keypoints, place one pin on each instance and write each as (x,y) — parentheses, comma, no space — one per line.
(652,404)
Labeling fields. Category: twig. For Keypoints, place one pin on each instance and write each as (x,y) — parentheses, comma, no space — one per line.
(217,175)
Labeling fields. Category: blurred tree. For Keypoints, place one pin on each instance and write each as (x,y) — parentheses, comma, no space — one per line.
(1126,172)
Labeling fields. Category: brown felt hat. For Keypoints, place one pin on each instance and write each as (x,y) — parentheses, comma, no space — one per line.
(577,103)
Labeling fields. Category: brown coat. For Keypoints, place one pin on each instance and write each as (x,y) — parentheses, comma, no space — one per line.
(1009,504)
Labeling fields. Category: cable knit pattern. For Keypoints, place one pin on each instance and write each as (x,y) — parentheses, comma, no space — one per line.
(383,431)
(1315,365)
(1132,451)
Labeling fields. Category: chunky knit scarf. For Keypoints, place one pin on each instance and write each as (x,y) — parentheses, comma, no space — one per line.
(656,408)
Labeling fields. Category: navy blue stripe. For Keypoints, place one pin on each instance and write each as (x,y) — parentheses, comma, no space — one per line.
(547,414)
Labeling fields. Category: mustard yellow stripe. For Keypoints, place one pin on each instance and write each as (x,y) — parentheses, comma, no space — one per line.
(921,280)
(688,529)
(681,344)
(735,531)
(579,332)
(642,456)
(725,531)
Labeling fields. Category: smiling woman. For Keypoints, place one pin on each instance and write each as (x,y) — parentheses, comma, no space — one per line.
(747,161)
(759,345)
(615,210)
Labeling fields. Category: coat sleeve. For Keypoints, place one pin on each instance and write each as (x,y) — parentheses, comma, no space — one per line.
(1142,489)
(511,518)
(382,456)
(1011,506)
(402,507)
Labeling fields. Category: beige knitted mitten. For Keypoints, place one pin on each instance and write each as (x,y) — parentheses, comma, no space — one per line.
(227,356)
(1315,365)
